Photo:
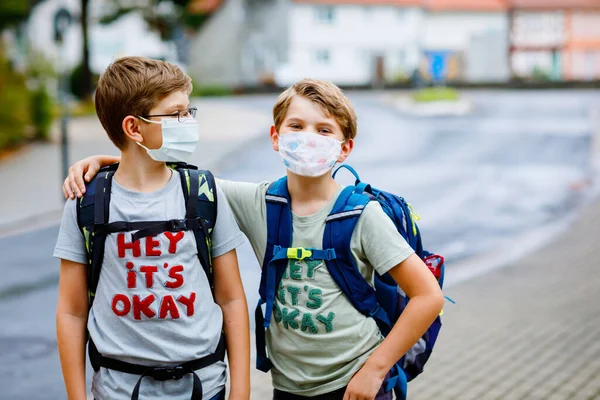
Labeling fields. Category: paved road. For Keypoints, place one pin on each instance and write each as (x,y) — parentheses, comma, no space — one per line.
(477,181)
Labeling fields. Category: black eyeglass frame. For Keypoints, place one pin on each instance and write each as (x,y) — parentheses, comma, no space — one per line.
(192,111)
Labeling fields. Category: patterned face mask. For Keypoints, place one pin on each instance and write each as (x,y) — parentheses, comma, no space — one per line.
(309,154)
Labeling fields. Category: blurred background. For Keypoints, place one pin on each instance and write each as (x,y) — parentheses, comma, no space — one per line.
(484,114)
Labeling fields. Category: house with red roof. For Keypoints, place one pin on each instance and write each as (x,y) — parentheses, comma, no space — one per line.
(559,39)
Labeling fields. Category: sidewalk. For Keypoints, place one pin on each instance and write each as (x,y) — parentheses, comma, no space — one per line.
(528,331)
(31,178)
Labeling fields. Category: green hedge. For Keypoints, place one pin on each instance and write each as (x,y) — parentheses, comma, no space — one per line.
(24,114)
(42,112)
(435,94)
(15,112)
(210,90)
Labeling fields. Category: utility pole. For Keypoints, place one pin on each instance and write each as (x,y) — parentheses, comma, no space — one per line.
(62,20)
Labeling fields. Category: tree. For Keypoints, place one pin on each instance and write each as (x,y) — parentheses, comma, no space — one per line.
(13,12)
(86,74)
(167,17)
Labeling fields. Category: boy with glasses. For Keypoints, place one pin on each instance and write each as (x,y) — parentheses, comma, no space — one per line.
(154,248)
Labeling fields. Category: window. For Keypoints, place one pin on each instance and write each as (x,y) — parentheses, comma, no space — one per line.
(324,15)
(322,56)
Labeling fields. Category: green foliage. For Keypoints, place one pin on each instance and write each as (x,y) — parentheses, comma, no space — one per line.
(435,94)
(39,67)
(15,109)
(13,12)
(42,112)
(195,21)
(40,73)
(211,90)
(163,16)
(75,82)
(538,74)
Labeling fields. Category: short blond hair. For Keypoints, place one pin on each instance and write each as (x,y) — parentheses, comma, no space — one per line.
(327,96)
(133,86)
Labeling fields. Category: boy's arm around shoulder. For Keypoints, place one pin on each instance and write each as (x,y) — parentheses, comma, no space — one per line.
(230,296)
(71,320)
(247,202)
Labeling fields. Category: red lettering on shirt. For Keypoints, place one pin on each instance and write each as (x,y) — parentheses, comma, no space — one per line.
(173,239)
(122,246)
(151,244)
(131,276)
(143,306)
(188,302)
(149,270)
(168,306)
(175,273)
(125,304)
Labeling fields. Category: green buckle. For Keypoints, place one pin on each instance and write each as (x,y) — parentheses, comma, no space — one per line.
(298,253)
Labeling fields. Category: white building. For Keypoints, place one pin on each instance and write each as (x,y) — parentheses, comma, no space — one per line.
(472,36)
(351,42)
(558,38)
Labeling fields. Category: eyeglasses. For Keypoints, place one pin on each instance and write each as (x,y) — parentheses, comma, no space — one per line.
(181,115)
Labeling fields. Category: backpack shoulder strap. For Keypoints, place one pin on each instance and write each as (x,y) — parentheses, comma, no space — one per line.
(339,227)
(200,194)
(279,234)
(404,217)
(93,211)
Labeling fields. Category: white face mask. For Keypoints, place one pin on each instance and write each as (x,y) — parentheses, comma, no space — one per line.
(309,154)
(179,140)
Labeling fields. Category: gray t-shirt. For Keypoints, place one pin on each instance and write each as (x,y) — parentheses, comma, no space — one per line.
(153,303)
(317,340)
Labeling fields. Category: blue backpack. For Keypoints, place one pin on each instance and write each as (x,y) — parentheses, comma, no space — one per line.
(384,303)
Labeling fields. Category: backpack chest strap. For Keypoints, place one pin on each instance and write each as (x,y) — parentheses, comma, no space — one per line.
(152,228)
(301,253)
(282,255)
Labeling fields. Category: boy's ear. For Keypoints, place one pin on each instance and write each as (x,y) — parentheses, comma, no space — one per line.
(131,127)
(274,138)
(347,147)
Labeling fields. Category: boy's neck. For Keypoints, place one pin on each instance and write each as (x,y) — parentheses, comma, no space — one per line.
(140,173)
(309,195)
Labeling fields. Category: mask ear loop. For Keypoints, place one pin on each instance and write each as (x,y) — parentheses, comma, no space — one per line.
(151,122)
